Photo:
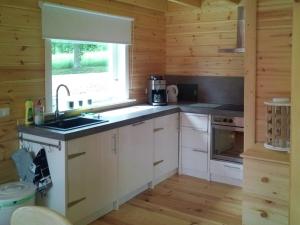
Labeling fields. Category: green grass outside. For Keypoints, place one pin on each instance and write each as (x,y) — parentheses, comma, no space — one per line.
(63,64)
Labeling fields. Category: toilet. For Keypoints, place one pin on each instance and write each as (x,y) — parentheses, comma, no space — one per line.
(15,195)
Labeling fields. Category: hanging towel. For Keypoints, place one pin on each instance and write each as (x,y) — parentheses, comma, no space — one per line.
(42,177)
(23,160)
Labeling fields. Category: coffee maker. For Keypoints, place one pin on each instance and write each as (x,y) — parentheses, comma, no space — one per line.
(157,94)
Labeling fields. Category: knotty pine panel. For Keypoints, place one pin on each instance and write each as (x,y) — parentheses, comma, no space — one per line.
(194,37)
(22,65)
(274,37)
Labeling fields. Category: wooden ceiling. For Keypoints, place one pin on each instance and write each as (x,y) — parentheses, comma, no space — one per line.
(162,5)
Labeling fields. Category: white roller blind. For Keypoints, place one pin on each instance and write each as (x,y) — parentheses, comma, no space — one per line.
(61,22)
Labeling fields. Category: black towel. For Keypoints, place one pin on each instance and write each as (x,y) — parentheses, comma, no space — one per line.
(42,177)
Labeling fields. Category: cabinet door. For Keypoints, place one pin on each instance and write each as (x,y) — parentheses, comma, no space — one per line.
(194,145)
(92,174)
(135,156)
(194,160)
(165,144)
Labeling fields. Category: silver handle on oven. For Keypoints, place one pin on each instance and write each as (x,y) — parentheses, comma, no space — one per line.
(240,129)
(199,150)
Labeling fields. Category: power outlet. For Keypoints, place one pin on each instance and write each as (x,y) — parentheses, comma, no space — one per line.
(4,112)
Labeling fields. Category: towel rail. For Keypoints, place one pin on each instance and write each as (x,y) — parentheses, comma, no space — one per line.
(21,138)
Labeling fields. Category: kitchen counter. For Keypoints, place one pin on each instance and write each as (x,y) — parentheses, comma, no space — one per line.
(126,116)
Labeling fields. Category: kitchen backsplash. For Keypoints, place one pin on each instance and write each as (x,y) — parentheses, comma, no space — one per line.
(222,90)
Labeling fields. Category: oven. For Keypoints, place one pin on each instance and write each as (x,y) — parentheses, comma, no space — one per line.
(227,138)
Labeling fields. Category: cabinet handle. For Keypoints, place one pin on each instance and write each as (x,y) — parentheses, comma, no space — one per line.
(72,156)
(199,150)
(157,162)
(232,167)
(114,137)
(137,124)
(263,214)
(158,129)
(75,202)
(264,179)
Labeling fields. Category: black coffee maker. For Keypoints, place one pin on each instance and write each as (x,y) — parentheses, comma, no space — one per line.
(157,94)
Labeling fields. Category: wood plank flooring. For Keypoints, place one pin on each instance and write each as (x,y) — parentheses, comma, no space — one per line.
(180,200)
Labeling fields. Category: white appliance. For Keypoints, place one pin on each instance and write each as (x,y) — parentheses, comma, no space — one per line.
(172,93)
(12,196)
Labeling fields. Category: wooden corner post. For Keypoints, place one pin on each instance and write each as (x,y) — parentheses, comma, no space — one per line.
(250,73)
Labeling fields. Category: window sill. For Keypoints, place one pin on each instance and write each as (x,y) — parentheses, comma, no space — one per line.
(99,108)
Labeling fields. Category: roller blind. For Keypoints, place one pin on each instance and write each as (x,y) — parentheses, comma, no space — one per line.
(61,22)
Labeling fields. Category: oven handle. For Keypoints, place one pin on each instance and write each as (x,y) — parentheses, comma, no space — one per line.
(240,129)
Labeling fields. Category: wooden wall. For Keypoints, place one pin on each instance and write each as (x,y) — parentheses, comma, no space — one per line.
(22,59)
(274,37)
(295,153)
(193,37)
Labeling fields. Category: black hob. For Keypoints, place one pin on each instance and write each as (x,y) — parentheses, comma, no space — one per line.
(231,107)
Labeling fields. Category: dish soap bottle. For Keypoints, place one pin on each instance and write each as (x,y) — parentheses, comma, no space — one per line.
(39,113)
(28,112)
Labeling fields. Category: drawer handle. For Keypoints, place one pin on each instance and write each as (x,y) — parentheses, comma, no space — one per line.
(76,202)
(198,150)
(158,129)
(157,162)
(76,155)
(137,124)
(263,214)
(199,130)
(264,179)
(232,167)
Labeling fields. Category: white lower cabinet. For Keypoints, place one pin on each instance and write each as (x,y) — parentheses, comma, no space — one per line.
(91,176)
(166,131)
(194,145)
(226,172)
(194,162)
(135,165)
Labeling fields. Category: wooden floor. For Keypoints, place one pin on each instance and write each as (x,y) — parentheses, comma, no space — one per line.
(180,200)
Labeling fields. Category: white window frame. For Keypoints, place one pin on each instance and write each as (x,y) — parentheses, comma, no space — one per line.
(115,69)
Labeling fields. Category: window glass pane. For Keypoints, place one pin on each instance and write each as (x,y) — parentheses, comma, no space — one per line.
(95,73)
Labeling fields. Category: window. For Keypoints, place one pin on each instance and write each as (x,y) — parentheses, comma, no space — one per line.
(95,73)
(88,52)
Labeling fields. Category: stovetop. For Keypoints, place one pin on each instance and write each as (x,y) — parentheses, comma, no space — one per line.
(231,107)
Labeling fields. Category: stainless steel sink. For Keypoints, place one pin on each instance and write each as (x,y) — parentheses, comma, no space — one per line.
(73,123)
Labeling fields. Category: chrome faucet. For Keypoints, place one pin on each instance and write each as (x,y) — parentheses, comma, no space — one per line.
(57,89)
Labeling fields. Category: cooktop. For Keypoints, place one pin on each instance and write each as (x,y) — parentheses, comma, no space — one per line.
(231,107)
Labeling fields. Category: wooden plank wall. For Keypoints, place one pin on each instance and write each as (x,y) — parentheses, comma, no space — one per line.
(22,59)
(193,37)
(274,32)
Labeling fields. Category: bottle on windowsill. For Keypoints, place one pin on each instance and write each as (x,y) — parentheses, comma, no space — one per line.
(39,113)
(28,112)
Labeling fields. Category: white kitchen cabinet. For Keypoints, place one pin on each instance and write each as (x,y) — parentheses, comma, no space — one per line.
(166,131)
(194,145)
(196,121)
(91,175)
(195,162)
(226,172)
(135,166)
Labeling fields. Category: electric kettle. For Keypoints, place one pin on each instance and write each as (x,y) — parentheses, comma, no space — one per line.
(172,93)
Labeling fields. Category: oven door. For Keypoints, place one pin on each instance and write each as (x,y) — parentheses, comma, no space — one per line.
(227,143)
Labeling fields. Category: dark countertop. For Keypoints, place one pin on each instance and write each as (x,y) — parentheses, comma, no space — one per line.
(125,116)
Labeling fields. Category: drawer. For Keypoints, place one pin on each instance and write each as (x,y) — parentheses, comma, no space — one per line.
(226,169)
(266,179)
(196,121)
(259,211)
(193,138)
(195,160)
